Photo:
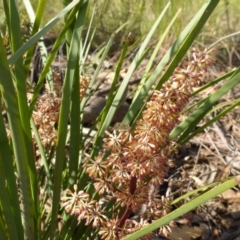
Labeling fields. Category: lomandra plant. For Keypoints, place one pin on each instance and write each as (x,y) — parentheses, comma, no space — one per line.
(134,162)
(113,191)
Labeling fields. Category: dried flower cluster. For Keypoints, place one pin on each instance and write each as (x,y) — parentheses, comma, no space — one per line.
(47,111)
(84,82)
(46,116)
(135,162)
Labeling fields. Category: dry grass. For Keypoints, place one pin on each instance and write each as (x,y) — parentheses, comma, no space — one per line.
(140,16)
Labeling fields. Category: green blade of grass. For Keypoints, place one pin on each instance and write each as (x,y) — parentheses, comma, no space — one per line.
(20,83)
(10,227)
(185,208)
(19,144)
(2,231)
(210,122)
(213,82)
(89,39)
(64,113)
(40,33)
(192,120)
(10,205)
(197,191)
(74,132)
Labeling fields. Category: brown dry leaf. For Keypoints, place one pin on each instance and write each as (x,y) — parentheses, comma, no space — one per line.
(185,233)
(107,76)
(184,174)
(230,194)
(198,181)
(225,171)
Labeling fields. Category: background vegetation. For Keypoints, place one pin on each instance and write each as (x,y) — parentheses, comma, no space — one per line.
(141,15)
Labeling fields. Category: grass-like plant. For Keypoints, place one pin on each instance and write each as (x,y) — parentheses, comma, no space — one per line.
(51,188)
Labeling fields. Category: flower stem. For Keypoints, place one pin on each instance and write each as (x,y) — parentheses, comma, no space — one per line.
(128,211)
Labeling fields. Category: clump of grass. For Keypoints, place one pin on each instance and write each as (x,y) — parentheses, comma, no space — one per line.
(124,175)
